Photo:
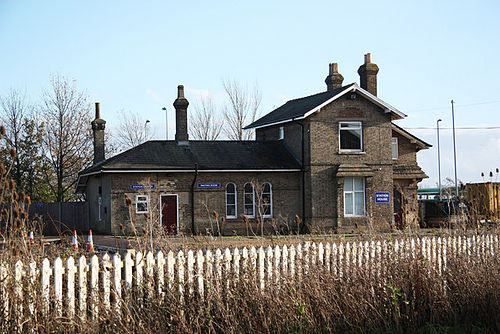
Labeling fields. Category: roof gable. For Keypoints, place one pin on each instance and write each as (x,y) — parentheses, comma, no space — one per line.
(413,139)
(304,107)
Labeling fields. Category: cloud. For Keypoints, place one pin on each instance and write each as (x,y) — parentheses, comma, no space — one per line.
(156,97)
(199,93)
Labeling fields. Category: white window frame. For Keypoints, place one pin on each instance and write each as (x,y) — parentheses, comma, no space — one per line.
(270,215)
(395,148)
(359,127)
(353,192)
(281,133)
(245,200)
(235,202)
(139,200)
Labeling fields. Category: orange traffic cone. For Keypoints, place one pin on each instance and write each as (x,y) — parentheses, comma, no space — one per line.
(74,242)
(31,236)
(90,242)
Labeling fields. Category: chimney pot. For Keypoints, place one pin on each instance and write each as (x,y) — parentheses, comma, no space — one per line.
(97,111)
(368,58)
(180,91)
(368,75)
(334,78)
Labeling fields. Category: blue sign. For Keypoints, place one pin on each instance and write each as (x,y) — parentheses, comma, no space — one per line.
(382,197)
(208,185)
(142,186)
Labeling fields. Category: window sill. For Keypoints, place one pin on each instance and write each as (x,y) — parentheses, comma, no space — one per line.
(231,217)
(352,152)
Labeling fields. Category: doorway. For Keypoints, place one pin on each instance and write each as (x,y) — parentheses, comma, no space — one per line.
(169,215)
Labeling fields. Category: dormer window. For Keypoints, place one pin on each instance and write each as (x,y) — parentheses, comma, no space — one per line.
(351,136)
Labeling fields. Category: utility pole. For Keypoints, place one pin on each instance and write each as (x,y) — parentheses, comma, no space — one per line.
(439,157)
(454,146)
(166,122)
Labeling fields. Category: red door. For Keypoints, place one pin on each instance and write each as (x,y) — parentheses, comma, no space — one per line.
(169,213)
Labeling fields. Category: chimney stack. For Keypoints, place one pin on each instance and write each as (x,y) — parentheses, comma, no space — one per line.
(334,78)
(181,104)
(98,125)
(368,75)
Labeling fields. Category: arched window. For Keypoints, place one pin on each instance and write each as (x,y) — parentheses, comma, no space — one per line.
(231,207)
(267,200)
(249,199)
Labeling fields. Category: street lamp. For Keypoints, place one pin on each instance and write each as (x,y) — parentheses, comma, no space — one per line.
(439,157)
(166,122)
(454,146)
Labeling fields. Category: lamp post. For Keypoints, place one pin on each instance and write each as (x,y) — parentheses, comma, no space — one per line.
(439,158)
(454,146)
(166,122)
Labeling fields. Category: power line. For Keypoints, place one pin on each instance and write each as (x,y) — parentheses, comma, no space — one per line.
(458,105)
(457,127)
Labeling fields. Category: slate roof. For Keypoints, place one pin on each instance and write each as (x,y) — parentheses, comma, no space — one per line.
(297,108)
(209,155)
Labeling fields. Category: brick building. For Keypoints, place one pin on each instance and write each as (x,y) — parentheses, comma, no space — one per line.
(335,159)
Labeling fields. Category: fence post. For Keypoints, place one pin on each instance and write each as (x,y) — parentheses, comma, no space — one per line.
(180,274)
(284,257)
(82,287)
(199,272)
(150,267)
(46,272)
(334,258)
(292,262)
(321,254)
(190,272)
(261,267)
(170,270)
(328,255)
(18,288)
(253,263)
(139,277)
(70,280)
(117,282)
(106,282)
(269,264)
(313,254)
(33,273)
(236,263)
(218,267)
(244,262)
(348,260)
(160,263)
(128,263)
(94,287)
(340,262)
(299,262)
(209,267)
(277,264)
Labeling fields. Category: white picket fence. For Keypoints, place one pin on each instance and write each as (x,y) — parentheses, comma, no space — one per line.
(86,289)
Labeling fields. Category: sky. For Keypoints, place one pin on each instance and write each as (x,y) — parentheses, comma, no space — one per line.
(131,55)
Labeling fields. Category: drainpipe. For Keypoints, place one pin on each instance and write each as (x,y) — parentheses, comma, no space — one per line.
(303,175)
(192,198)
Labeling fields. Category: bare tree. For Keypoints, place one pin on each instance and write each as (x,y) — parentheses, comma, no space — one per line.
(203,123)
(67,139)
(23,135)
(133,130)
(14,110)
(241,110)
